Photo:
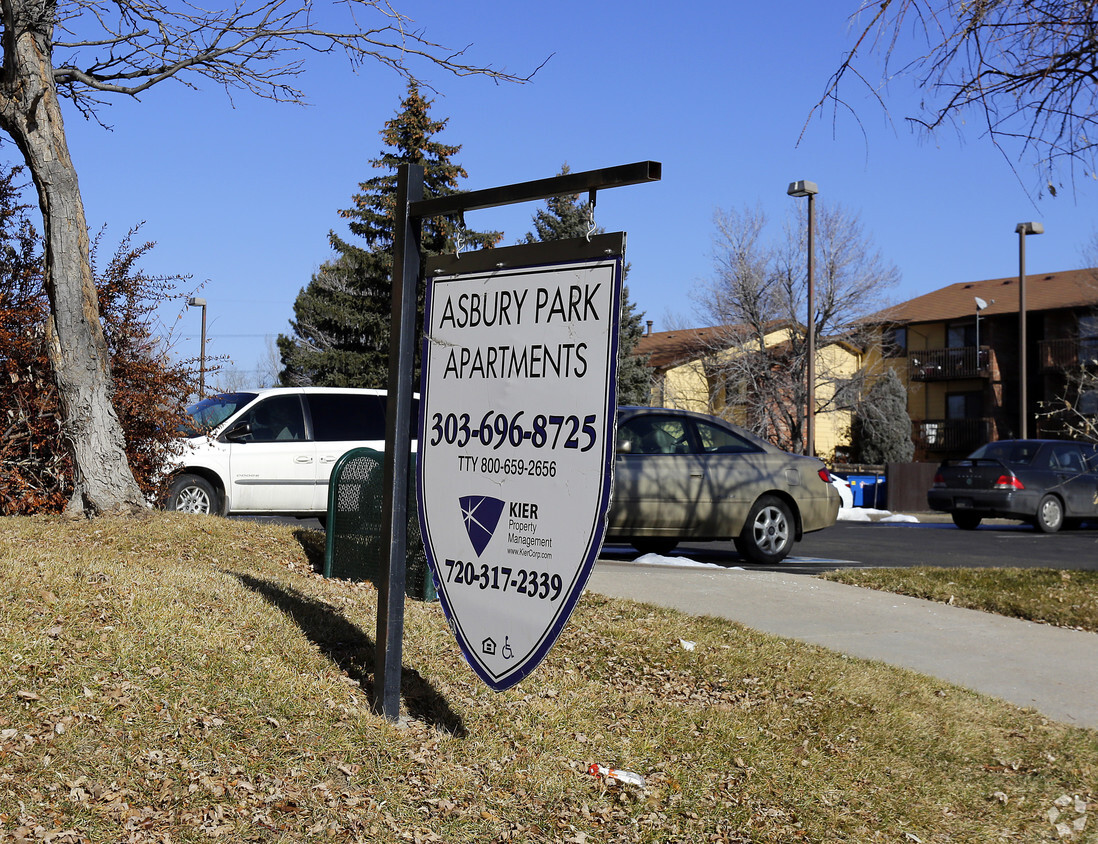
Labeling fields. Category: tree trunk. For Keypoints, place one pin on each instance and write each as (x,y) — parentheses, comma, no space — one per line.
(30,113)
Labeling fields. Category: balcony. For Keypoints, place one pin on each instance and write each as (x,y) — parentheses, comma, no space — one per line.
(958,436)
(1068,353)
(949,364)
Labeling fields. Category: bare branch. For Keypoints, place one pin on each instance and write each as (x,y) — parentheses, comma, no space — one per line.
(1028,69)
(128,46)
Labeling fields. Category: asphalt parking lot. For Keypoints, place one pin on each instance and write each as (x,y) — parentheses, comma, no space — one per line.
(933,540)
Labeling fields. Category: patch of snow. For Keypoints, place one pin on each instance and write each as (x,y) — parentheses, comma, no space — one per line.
(868,514)
(681,562)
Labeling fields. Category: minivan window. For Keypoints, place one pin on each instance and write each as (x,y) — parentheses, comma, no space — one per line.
(347,416)
(276,419)
(342,417)
(209,413)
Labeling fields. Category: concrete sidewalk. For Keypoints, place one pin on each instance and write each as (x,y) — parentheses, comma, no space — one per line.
(1050,669)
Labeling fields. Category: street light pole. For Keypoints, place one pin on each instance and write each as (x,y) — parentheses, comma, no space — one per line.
(1023,229)
(810,190)
(199,302)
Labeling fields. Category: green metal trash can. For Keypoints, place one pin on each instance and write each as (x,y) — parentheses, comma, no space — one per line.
(355,549)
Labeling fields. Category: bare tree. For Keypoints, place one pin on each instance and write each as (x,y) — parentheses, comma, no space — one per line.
(756,362)
(86,50)
(1024,70)
(1073,413)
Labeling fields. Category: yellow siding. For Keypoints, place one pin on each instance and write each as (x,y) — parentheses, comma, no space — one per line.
(686,387)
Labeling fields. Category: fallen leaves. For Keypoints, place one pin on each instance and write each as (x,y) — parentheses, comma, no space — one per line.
(178,699)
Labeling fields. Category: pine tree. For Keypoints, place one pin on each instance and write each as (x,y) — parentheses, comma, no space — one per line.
(342,319)
(566,217)
(880,431)
(634,373)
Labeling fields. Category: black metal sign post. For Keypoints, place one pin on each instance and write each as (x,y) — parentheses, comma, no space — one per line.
(410,210)
(394,524)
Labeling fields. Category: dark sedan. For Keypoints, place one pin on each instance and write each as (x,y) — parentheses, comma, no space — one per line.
(1044,482)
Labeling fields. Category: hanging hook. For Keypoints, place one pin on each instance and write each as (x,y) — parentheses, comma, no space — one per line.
(459,235)
(590,214)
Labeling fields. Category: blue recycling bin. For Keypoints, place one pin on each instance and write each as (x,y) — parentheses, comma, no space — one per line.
(868,490)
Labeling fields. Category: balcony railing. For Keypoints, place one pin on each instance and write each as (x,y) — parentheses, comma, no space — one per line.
(947,364)
(1068,353)
(950,435)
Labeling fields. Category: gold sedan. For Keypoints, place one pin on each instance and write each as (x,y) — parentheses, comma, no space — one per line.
(687,476)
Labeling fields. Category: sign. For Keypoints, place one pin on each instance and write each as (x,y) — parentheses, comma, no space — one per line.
(515,454)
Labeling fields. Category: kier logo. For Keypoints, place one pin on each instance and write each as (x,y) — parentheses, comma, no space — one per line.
(480,514)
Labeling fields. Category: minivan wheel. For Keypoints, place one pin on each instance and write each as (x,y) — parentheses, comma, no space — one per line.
(193,494)
(767,535)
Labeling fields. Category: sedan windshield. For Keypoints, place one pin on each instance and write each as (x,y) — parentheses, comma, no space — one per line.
(211,412)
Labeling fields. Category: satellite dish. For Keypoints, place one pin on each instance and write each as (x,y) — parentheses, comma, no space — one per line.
(980,303)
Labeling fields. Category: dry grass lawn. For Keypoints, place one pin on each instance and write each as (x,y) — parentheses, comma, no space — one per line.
(1050,596)
(177,679)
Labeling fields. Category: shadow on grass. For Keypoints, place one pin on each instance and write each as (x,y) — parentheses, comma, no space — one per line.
(354,652)
(315,545)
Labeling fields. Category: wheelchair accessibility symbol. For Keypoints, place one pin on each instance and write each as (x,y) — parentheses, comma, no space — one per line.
(507,653)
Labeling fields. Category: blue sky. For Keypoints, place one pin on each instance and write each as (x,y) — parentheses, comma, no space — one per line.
(241,195)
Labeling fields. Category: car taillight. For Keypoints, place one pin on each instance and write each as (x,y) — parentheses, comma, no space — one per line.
(939,482)
(825,476)
(1009,482)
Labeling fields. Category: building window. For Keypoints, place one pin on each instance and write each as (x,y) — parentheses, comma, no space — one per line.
(964,405)
(896,345)
(960,335)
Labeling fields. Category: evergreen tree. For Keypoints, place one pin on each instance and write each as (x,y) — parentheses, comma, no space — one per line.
(566,217)
(342,319)
(880,431)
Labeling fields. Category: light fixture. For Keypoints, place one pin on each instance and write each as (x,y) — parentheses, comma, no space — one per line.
(199,302)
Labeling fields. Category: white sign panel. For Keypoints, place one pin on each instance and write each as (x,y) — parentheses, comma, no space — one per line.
(516,449)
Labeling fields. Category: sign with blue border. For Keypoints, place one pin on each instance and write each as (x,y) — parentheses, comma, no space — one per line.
(516,441)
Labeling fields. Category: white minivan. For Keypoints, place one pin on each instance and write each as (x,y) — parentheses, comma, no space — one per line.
(272,451)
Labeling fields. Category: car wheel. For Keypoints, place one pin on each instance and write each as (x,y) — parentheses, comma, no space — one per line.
(193,494)
(1050,515)
(767,535)
(662,547)
(966,521)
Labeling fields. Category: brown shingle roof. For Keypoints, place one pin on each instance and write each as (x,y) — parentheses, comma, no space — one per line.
(668,348)
(1044,292)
